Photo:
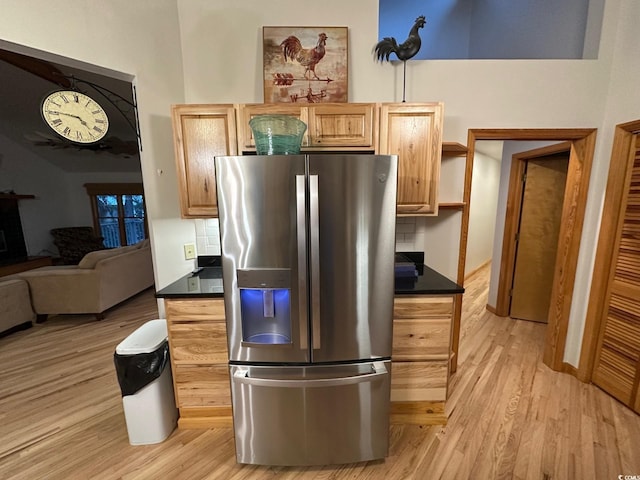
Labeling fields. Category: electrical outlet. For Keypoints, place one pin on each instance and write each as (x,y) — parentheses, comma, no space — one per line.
(189,251)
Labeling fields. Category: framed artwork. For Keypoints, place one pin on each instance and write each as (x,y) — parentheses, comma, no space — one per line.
(305,64)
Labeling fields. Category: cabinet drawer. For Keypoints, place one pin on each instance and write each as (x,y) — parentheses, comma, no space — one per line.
(422,307)
(423,339)
(194,310)
(419,381)
(202,386)
(198,342)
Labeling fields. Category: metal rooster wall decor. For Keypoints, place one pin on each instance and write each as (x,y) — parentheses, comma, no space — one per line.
(406,50)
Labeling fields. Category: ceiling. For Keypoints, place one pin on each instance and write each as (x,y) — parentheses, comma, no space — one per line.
(27,80)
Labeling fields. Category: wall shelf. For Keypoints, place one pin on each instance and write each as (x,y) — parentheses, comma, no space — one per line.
(14,196)
(452,205)
(454,149)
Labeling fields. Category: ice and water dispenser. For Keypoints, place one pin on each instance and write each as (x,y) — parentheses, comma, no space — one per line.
(265,304)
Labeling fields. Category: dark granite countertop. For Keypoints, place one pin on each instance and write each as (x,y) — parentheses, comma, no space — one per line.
(208,284)
(205,284)
(428,282)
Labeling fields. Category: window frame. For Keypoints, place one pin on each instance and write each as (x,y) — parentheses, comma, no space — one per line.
(117,189)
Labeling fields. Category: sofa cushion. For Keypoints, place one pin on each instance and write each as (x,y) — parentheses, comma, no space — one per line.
(142,243)
(15,303)
(92,258)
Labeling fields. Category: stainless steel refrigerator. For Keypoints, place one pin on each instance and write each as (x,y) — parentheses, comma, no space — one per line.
(308,247)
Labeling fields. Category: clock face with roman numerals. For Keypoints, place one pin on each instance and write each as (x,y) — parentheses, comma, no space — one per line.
(75,116)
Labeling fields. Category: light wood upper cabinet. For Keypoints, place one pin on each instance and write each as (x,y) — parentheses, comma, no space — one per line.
(247,111)
(200,133)
(414,133)
(330,126)
(342,125)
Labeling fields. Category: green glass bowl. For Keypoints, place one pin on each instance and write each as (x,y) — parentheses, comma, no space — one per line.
(277,134)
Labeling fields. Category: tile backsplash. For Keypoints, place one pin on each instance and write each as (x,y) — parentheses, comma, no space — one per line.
(207,236)
(409,237)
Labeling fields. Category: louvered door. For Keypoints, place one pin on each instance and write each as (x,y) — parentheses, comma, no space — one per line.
(617,362)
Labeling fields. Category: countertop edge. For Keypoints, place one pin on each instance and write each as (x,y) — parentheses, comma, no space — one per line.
(430,282)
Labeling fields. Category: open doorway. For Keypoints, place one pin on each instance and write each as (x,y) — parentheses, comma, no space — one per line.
(581,144)
(50,170)
(536,190)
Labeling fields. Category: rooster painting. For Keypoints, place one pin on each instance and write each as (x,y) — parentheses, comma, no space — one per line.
(406,50)
(305,64)
(307,57)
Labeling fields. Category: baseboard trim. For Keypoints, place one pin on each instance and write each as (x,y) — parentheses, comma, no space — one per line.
(570,369)
(492,309)
(476,270)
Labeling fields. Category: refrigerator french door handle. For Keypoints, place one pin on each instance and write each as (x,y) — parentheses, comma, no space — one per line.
(301,227)
(314,231)
(377,370)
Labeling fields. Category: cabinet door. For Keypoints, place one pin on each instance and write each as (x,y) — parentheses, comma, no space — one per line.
(414,133)
(200,133)
(197,332)
(342,125)
(246,112)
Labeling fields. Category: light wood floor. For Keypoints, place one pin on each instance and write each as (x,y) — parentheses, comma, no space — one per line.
(511,417)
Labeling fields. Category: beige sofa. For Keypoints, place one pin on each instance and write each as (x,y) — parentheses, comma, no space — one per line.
(101,280)
(15,305)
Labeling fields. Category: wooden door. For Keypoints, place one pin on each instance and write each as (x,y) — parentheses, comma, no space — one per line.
(617,362)
(537,238)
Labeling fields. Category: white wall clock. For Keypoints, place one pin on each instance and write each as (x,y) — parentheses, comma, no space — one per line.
(75,116)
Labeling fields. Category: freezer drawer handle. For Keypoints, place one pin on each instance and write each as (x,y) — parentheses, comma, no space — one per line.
(242,376)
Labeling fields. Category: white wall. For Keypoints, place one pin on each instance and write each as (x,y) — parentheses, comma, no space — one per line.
(27,174)
(139,38)
(482,212)
(211,51)
(622,105)
(61,199)
(80,211)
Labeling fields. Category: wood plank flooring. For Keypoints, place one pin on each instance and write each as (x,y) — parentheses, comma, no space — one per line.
(510,416)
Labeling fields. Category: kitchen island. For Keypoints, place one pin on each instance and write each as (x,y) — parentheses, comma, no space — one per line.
(423,312)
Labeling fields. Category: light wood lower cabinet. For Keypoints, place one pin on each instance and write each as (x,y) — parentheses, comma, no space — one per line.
(199,362)
(421,351)
(419,372)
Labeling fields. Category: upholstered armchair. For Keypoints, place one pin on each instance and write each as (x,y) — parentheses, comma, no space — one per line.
(75,242)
